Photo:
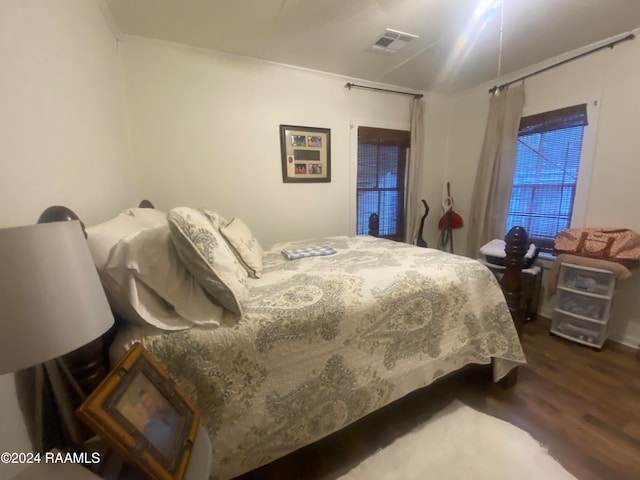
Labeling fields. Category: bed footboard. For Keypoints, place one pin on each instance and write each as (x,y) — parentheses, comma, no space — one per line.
(511,283)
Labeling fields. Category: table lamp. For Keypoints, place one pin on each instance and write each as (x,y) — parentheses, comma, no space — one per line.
(52,303)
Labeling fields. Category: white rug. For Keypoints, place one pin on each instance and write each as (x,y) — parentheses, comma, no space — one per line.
(461,443)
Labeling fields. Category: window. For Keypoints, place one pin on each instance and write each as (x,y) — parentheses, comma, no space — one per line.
(382,162)
(546,173)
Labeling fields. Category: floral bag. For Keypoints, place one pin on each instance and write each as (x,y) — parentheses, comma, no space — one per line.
(615,244)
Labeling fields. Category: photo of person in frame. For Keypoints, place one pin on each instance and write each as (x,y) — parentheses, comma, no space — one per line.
(315,169)
(146,408)
(301,169)
(313,141)
(298,140)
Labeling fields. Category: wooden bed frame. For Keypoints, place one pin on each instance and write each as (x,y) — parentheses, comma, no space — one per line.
(89,364)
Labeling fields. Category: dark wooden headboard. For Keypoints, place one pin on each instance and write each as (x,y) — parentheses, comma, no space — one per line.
(89,364)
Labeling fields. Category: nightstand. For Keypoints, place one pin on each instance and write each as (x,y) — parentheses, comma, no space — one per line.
(531,285)
(55,471)
(114,467)
(200,464)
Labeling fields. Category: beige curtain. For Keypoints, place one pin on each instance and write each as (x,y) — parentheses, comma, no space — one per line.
(415,210)
(494,179)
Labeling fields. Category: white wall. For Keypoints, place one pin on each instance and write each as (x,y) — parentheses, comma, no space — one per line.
(63,137)
(613,194)
(467,119)
(436,125)
(205,130)
(63,132)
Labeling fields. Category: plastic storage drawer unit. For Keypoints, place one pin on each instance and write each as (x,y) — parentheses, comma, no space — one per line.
(585,298)
(578,329)
(586,279)
(584,305)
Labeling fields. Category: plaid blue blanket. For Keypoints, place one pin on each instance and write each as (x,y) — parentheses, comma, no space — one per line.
(296,253)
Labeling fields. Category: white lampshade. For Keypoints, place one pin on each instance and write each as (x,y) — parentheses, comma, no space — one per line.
(51,299)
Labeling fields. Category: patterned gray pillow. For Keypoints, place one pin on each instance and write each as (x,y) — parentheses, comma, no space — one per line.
(246,247)
(217,220)
(205,253)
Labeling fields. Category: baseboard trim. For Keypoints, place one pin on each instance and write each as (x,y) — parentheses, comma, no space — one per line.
(630,342)
(626,341)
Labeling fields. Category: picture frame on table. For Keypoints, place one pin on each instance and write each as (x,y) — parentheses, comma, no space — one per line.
(306,154)
(141,413)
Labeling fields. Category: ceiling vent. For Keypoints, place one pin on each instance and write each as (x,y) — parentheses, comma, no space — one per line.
(392,41)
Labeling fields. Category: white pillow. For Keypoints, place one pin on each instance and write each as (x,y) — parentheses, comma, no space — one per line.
(144,274)
(205,253)
(103,237)
(148,217)
(245,245)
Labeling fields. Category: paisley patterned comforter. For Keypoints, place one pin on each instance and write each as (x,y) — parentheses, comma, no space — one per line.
(326,340)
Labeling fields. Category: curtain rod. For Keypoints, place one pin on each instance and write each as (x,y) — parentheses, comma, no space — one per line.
(414,95)
(631,36)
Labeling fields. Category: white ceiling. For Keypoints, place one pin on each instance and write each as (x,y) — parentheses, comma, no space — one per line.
(459,45)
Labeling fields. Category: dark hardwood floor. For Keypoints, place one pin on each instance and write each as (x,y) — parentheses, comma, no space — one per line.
(583,404)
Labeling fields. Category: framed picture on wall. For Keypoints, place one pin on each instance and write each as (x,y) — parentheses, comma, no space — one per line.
(306,154)
(140,412)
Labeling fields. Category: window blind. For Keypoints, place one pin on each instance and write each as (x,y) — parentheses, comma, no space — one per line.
(546,173)
(575,116)
(381,180)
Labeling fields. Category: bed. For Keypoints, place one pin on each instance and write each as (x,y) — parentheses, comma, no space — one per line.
(298,349)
